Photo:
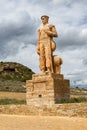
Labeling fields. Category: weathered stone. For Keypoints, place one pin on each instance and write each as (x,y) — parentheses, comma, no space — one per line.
(46,46)
(46,89)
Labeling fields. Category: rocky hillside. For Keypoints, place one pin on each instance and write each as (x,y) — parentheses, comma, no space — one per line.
(13,76)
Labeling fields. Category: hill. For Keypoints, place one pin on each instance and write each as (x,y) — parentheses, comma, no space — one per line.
(13,76)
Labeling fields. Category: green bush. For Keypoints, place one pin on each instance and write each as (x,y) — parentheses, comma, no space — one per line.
(11,101)
(74,100)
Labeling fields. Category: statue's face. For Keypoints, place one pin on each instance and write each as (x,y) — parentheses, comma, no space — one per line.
(44,20)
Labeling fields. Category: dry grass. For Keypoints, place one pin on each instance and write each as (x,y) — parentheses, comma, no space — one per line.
(68,109)
(12,95)
(22,96)
(77,92)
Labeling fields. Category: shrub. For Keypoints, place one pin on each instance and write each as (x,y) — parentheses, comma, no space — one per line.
(74,100)
(11,101)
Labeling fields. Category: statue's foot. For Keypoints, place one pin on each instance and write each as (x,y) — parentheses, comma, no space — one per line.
(42,71)
(48,70)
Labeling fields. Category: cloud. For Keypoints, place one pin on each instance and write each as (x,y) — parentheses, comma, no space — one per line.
(19,21)
(41,2)
(73,38)
(14,31)
(85,61)
(27,56)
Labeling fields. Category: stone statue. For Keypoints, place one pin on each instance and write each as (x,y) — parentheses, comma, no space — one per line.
(46,46)
(50,83)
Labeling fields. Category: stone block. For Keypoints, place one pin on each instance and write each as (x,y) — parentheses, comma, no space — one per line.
(46,89)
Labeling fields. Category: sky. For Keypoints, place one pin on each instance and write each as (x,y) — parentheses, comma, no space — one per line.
(19,22)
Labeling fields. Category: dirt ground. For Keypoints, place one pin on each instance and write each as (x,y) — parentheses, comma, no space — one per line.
(15,122)
(71,116)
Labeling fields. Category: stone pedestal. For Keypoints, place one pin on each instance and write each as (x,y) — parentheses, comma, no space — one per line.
(46,89)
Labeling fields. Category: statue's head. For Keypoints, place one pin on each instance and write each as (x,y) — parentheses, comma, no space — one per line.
(44,18)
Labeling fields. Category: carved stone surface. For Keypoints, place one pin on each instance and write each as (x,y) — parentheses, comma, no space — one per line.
(46,46)
(46,89)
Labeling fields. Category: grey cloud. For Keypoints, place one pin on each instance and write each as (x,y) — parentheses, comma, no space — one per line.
(41,2)
(15,32)
(13,29)
(77,73)
(81,77)
(72,39)
(68,2)
(85,62)
(43,6)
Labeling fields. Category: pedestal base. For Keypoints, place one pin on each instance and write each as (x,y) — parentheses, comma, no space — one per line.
(46,89)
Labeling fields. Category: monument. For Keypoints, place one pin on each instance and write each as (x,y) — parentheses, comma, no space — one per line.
(49,86)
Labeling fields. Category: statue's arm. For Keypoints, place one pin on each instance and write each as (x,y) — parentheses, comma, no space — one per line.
(52,31)
(38,43)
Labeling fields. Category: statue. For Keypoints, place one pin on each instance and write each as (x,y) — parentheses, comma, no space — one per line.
(48,87)
(46,46)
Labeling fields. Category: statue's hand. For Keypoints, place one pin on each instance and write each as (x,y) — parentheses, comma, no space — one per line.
(49,33)
(38,50)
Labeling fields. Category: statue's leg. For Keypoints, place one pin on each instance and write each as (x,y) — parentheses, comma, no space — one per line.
(48,59)
(42,58)
(58,69)
(57,61)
